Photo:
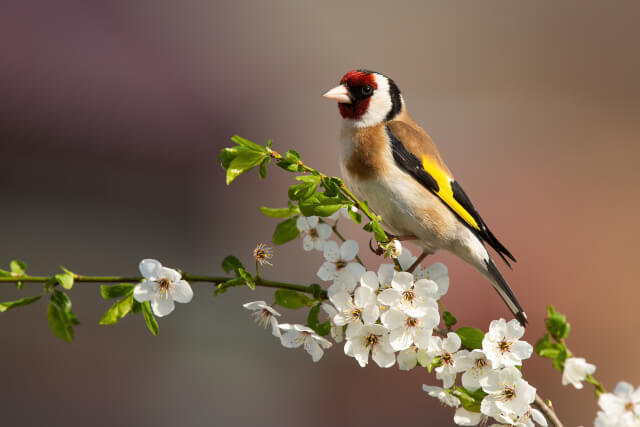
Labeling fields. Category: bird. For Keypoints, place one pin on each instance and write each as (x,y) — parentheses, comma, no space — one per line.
(387,159)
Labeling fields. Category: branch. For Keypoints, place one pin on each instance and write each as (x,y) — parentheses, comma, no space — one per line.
(547,411)
(188,277)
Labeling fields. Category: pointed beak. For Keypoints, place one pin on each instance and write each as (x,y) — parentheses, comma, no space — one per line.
(340,94)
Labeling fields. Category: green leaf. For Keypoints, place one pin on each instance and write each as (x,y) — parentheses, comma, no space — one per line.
(18,268)
(231,263)
(222,287)
(63,302)
(116,291)
(149,318)
(227,155)
(5,273)
(320,205)
(136,308)
(59,323)
(248,278)
(302,191)
(316,290)
(435,362)
(245,160)
(286,231)
(117,311)
(291,299)
(263,168)
(557,324)
(280,212)
(314,179)
(8,305)
(290,161)
(332,186)
(248,144)
(449,319)
(375,228)
(323,329)
(65,280)
(354,215)
(470,400)
(312,317)
(471,337)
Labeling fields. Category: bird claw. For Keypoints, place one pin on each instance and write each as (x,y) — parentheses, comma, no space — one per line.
(378,251)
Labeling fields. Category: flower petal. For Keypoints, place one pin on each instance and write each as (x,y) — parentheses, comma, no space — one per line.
(301,224)
(383,359)
(170,273)
(181,291)
(349,250)
(402,281)
(370,280)
(290,339)
(324,231)
(255,305)
(370,313)
(463,417)
(331,251)
(144,291)
(407,359)
(150,268)
(162,306)
(313,348)
(390,297)
(452,343)
(400,339)
(308,243)
(385,274)
(393,318)
(327,270)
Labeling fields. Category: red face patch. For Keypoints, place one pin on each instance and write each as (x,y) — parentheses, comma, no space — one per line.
(356,79)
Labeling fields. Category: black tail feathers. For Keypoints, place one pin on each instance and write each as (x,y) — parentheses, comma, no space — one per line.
(505,292)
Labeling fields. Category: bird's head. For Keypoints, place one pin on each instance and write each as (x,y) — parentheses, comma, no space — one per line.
(366,98)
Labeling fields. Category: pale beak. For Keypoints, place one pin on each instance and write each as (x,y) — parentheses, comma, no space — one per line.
(340,94)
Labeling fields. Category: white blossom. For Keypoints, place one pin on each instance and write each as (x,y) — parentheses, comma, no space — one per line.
(315,235)
(479,369)
(339,266)
(502,344)
(264,315)
(576,370)
(379,281)
(295,336)
(523,420)
(342,212)
(415,299)
(409,358)
(462,417)
(162,286)
(442,395)
(337,332)
(437,272)
(374,339)
(620,408)
(360,308)
(453,361)
(507,393)
(406,330)
(395,248)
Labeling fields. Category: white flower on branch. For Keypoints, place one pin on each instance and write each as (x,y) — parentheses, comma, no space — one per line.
(408,330)
(576,370)
(502,344)
(442,395)
(462,417)
(523,420)
(409,358)
(374,339)
(337,332)
(453,361)
(296,335)
(395,248)
(620,408)
(479,369)
(379,281)
(437,272)
(507,393)
(315,234)
(415,299)
(264,315)
(361,308)
(162,286)
(342,212)
(339,266)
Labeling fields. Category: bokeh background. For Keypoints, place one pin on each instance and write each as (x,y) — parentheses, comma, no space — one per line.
(112,115)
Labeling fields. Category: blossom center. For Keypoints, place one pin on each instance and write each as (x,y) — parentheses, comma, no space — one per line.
(371,340)
(412,322)
(164,284)
(480,363)
(508,392)
(262,253)
(504,346)
(409,295)
(355,314)
(313,233)
(262,317)
(447,358)
(340,265)
(628,407)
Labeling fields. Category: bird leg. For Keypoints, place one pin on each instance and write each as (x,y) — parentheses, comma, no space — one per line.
(422,256)
(379,251)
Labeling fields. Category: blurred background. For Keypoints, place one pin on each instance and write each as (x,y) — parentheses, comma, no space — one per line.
(113,114)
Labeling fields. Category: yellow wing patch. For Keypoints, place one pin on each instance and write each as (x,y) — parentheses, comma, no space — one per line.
(445,192)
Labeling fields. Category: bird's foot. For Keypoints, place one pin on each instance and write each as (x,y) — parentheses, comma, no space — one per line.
(378,250)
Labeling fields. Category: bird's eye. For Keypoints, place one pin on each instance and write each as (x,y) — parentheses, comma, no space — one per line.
(367,90)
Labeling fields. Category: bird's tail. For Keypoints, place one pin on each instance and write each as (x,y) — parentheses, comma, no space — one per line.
(505,292)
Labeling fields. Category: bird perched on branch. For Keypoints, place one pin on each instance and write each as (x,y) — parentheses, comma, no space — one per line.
(387,159)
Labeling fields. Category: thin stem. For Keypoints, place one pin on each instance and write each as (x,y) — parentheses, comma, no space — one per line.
(547,411)
(193,278)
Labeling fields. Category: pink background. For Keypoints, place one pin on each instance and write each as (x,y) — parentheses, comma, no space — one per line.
(113,114)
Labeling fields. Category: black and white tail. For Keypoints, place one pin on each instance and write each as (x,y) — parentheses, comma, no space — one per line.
(502,287)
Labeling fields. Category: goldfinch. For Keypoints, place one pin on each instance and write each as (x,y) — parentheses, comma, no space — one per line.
(387,159)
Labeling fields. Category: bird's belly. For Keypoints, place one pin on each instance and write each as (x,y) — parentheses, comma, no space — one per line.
(406,208)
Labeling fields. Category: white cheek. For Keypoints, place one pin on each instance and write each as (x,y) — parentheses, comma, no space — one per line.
(379,106)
